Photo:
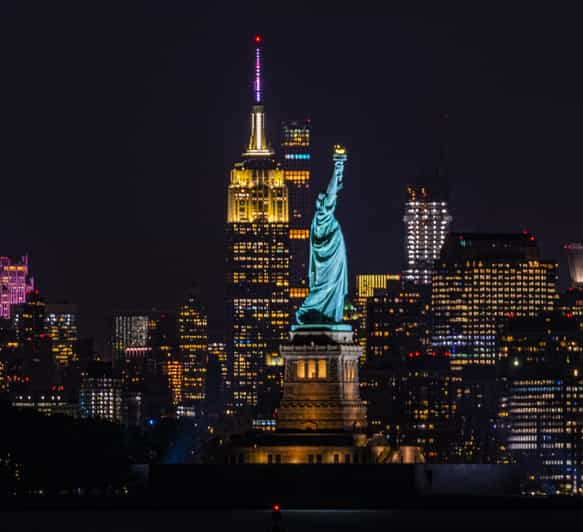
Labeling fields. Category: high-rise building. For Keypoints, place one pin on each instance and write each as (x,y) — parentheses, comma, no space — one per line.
(149,364)
(397,324)
(218,350)
(61,326)
(15,283)
(366,285)
(257,265)
(100,393)
(217,379)
(192,326)
(295,145)
(9,378)
(480,280)
(427,222)
(412,403)
(174,370)
(128,330)
(162,334)
(575,259)
(408,390)
(28,320)
(540,419)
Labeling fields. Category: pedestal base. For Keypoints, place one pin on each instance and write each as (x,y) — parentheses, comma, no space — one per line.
(321,388)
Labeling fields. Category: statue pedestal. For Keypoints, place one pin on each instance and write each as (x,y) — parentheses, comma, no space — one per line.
(321,387)
(321,419)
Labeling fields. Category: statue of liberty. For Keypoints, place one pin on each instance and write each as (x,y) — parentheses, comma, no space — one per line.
(328,270)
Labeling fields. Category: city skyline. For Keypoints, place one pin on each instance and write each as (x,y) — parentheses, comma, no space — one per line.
(325,242)
(159,219)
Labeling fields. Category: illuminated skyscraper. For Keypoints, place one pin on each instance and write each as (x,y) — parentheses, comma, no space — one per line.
(397,322)
(257,265)
(174,370)
(575,258)
(540,419)
(366,284)
(15,283)
(128,330)
(295,144)
(218,350)
(28,321)
(480,280)
(193,347)
(218,384)
(162,332)
(427,222)
(408,391)
(100,393)
(61,326)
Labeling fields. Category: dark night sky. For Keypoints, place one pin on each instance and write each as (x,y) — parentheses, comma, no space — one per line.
(120,122)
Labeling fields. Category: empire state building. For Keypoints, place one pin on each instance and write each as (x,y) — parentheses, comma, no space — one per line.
(257,268)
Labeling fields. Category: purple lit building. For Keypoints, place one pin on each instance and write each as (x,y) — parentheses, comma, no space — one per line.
(15,283)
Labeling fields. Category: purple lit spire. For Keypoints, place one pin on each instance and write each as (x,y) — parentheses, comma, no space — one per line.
(258,145)
(257,84)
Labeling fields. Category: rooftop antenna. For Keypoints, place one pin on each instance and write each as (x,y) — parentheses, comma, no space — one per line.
(258,82)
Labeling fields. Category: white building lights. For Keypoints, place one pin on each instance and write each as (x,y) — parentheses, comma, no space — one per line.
(427,222)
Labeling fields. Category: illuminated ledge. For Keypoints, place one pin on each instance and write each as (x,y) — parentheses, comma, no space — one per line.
(344,327)
(260,153)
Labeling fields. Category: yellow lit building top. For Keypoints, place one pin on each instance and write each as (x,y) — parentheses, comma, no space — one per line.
(257,195)
(366,284)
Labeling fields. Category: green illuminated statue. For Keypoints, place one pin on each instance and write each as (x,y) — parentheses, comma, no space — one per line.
(328,270)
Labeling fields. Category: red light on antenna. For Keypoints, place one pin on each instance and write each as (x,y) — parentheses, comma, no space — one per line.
(258,39)
(276,507)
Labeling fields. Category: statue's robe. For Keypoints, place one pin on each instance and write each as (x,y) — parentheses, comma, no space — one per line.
(328,270)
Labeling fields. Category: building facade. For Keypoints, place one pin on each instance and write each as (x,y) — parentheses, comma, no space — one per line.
(61,326)
(296,153)
(128,330)
(408,390)
(257,263)
(427,222)
(15,283)
(48,402)
(397,324)
(100,393)
(28,320)
(192,326)
(366,286)
(541,401)
(481,280)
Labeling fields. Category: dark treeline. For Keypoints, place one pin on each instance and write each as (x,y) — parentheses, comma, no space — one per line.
(60,454)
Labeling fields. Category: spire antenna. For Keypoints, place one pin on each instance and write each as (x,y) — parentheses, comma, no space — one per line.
(258,145)
(258,80)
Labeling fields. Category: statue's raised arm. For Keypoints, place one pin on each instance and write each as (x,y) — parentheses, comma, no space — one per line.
(328,271)
(336,181)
